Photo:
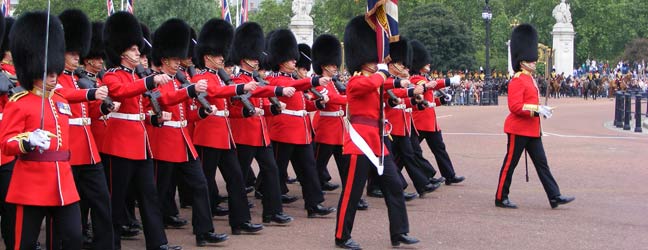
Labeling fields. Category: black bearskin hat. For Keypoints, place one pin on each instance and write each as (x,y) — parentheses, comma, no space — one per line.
(147,45)
(248,42)
(26,44)
(359,44)
(171,40)
(524,45)
(326,51)
(78,31)
(8,23)
(121,31)
(96,43)
(400,52)
(264,61)
(193,41)
(304,56)
(282,47)
(215,39)
(2,30)
(420,56)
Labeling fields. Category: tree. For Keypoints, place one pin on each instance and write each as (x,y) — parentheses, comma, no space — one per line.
(637,50)
(273,14)
(332,16)
(95,10)
(447,38)
(194,12)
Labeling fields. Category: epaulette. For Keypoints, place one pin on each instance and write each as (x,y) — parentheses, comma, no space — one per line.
(112,70)
(202,71)
(18,95)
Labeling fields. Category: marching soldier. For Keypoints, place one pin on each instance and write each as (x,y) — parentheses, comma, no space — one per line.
(296,146)
(128,145)
(7,61)
(6,161)
(218,150)
(364,147)
(425,116)
(250,132)
(522,125)
(42,184)
(86,164)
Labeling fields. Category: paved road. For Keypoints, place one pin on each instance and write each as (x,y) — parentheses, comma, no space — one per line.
(605,169)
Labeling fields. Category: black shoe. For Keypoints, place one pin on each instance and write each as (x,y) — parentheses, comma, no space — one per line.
(279,218)
(454,180)
(396,240)
(560,200)
(319,210)
(409,196)
(168,247)
(258,194)
(249,190)
(437,180)
(347,244)
(129,232)
(291,180)
(327,186)
(362,204)
(247,227)
(429,188)
(175,221)
(220,211)
(135,224)
(203,239)
(506,203)
(287,199)
(376,193)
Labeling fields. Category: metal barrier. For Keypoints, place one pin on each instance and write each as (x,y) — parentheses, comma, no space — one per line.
(623,109)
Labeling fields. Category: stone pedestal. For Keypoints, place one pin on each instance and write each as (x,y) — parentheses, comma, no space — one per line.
(302,27)
(563,47)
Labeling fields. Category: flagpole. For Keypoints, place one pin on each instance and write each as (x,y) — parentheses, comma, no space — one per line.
(122,5)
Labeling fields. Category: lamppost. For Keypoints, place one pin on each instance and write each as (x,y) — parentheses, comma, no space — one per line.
(487,15)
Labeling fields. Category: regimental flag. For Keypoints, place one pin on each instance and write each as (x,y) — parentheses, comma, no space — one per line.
(382,16)
(6,7)
(225,13)
(243,13)
(129,6)
(110,7)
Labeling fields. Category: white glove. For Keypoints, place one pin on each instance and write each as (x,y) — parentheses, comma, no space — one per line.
(324,91)
(455,80)
(545,111)
(382,66)
(448,98)
(39,138)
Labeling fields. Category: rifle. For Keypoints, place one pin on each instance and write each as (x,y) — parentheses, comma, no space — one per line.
(262,82)
(151,95)
(341,87)
(85,82)
(191,70)
(243,98)
(317,94)
(8,85)
(393,99)
(201,96)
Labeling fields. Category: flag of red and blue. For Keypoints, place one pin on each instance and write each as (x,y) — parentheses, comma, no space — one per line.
(382,16)
(225,12)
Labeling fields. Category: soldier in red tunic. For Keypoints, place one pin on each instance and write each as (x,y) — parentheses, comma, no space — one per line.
(522,125)
(6,161)
(362,141)
(42,185)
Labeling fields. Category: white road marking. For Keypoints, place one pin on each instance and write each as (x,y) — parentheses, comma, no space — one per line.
(558,135)
(443,116)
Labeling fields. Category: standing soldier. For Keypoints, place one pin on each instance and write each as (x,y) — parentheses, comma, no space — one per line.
(213,135)
(86,164)
(364,107)
(295,146)
(522,125)
(250,132)
(128,145)
(42,184)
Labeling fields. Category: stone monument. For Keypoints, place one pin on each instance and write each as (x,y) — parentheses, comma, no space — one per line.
(301,24)
(563,39)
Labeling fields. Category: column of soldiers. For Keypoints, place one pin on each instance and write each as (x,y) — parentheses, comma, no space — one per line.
(129,116)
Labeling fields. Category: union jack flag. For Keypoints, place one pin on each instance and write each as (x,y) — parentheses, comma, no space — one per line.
(6,7)
(225,12)
(110,7)
(382,16)
(243,13)
(129,6)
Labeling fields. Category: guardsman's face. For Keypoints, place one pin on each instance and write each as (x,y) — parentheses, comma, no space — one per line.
(216,62)
(302,72)
(171,65)
(229,69)
(95,64)
(50,82)
(144,61)
(71,60)
(131,56)
(289,66)
(329,70)
(252,63)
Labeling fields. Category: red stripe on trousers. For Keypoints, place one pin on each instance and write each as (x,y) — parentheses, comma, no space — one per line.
(509,157)
(347,193)
(18,226)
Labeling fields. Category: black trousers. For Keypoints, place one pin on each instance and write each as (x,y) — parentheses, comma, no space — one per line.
(516,144)
(434,140)
(268,172)
(192,174)
(227,161)
(63,226)
(303,162)
(352,191)
(323,153)
(91,184)
(426,166)
(404,156)
(372,181)
(125,173)
(6,209)
(129,206)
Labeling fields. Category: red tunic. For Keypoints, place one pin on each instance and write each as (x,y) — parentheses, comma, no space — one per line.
(523,91)
(330,129)
(426,119)
(37,183)
(8,69)
(288,128)
(99,121)
(83,147)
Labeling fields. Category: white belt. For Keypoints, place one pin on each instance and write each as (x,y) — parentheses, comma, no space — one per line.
(221,113)
(80,121)
(400,106)
(338,113)
(129,117)
(176,124)
(408,110)
(300,113)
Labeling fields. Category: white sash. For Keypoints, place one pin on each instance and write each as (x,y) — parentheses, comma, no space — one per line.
(364,147)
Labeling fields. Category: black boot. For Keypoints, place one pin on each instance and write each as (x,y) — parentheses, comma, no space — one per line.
(397,239)
(175,221)
(203,239)
(347,244)
(363,204)
(319,210)
(505,203)
(247,227)
(560,200)
(279,218)
(454,180)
